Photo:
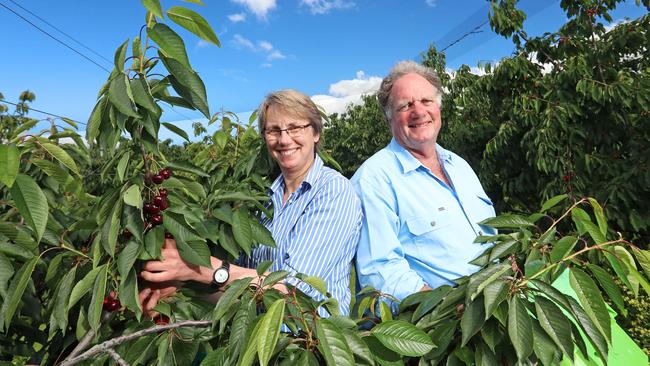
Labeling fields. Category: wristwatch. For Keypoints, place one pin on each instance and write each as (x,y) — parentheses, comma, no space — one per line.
(220,275)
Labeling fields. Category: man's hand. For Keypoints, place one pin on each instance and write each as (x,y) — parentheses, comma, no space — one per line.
(426,288)
(151,293)
(173,268)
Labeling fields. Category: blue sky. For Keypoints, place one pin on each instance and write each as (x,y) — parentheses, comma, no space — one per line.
(333,50)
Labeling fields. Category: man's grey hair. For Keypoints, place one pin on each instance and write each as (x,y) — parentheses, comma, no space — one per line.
(400,69)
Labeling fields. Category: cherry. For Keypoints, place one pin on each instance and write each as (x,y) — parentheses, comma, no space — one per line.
(147,208)
(162,192)
(157,178)
(164,204)
(126,234)
(111,305)
(156,219)
(161,320)
(158,200)
(166,173)
(169,236)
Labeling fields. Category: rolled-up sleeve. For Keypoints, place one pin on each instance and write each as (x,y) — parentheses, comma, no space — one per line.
(381,261)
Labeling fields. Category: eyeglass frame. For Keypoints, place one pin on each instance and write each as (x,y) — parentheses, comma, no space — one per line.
(296,131)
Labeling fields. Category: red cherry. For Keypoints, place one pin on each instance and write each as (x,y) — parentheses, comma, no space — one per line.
(126,234)
(162,192)
(166,173)
(157,200)
(156,219)
(164,204)
(169,236)
(157,178)
(155,209)
(566,178)
(161,320)
(106,300)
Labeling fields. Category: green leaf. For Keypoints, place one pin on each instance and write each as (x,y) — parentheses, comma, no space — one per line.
(332,344)
(242,231)
(187,167)
(472,320)
(385,313)
(6,271)
(82,287)
(250,352)
(120,55)
(154,7)
(9,163)
(520,328)
(544,347)
(590,329)
(274,277)
(403,338)
(111,229)
(591,300)
(234,291)
(121,166)
(31,203)
(358,347)
(97,300)
(120,95)
(187,84)
(433,298)
(600,216)
(563,247)
(15,292)
(16,251)
(610,287)
(195,252)
(60,312)
(132,196)
(553,202)
(261,234)
(494,294)
(95,120)
(316,283)
(556,325)
(643,256)
(267,335)
(61,155)
(176,130)
(382,355)
(584,224)
(129,293)
(142,95)
(506,221)
(193,22)
(481,279)
(170,43)
(127,257)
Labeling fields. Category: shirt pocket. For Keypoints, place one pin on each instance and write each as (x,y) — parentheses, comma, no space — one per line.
(427,226)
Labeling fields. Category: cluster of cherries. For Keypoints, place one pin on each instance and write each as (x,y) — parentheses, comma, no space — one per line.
(159,202)
(111,303)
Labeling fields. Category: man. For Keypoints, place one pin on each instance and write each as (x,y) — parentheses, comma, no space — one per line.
(422,203)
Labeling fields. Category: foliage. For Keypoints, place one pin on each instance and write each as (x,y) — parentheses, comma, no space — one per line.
(69,257)
(355,135)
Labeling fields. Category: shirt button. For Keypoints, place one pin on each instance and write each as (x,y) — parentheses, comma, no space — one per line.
(433,223)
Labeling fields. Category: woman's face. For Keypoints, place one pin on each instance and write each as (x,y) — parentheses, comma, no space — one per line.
(293,150)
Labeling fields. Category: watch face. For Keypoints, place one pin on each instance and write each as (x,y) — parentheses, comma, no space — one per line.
(221,275)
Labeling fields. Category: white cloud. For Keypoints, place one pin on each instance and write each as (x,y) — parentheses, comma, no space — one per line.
(615,23)
(203,43)
(258,7)
(262,47)
(275,55)
(236,18)
(432,3)
(243,42)
(346,92)
(266,46)
(324,6)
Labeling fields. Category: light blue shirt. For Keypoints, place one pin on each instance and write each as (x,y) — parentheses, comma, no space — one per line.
(316,232)
(416,229)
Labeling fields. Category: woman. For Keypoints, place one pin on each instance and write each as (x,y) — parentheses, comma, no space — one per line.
(316,219)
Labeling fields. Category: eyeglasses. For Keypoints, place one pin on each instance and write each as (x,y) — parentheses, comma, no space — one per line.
(292,131)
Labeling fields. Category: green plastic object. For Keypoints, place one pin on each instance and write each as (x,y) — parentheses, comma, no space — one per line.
(623,351)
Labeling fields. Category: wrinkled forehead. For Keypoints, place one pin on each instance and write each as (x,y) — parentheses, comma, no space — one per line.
(412,87)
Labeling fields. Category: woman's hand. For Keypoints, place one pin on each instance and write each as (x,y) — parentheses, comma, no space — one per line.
(173,268)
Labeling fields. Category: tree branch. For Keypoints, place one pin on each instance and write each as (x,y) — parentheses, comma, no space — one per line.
(120,361)
(111,343)
(88,337)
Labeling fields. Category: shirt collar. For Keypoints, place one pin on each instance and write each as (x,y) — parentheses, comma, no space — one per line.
(310,178)
(409,162)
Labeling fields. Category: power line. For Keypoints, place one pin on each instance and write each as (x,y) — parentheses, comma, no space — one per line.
(61,31)
(54,38)
(39,111)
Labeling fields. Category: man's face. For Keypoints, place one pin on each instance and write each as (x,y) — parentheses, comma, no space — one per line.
(415,120)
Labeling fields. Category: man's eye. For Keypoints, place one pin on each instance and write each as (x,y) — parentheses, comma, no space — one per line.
(403,107)
(426,101)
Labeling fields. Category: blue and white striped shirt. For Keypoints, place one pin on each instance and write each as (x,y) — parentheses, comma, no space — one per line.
(316,232)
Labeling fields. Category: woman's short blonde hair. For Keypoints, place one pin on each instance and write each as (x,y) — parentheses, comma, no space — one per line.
(293,103)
